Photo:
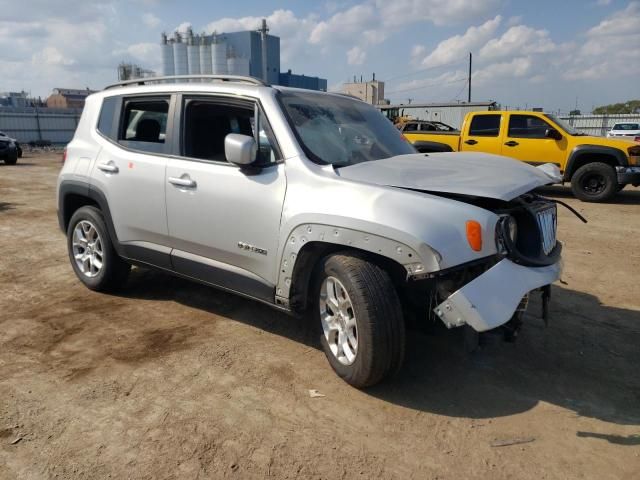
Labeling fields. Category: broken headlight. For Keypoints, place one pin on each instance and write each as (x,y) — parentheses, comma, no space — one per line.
(506,233)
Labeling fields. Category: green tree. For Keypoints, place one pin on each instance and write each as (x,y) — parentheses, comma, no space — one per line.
(632,106)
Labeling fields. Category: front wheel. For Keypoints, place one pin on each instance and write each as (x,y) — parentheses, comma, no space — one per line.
(363,332)
(594,182)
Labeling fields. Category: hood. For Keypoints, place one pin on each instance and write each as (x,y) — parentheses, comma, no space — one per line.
(464,173)
(616,142)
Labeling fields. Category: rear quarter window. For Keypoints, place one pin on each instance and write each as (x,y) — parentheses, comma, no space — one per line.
(106,119)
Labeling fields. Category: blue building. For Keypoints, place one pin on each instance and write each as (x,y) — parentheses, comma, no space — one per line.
(289,79)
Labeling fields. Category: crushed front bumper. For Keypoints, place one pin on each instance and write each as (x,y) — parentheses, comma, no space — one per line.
(491,299)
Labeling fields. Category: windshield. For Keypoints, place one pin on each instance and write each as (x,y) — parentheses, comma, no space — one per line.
(564,125)
(626,126)
(342,131)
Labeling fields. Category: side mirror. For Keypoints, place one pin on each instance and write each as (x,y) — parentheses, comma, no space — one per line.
(553,133)
(240,149)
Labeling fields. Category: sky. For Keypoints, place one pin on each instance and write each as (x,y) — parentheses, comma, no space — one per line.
(549,54)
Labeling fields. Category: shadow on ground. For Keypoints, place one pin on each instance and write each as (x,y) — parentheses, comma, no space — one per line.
(4,206)
(585,361)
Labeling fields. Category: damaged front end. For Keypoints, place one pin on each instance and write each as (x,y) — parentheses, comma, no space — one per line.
(493,292)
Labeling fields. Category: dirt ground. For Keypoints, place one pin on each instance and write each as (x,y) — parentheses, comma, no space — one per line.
(176,380)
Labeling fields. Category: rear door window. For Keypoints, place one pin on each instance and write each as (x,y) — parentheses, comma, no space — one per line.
(144,124)
(485,126)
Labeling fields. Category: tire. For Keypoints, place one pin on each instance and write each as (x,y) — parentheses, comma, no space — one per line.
(11,158)
(620,187)
(594,182)
(372,307)
(98,266)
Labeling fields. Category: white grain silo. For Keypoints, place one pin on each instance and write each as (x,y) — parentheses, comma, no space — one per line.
(180,56)
(167,56)
(218,55)
(205,55)
(193,53)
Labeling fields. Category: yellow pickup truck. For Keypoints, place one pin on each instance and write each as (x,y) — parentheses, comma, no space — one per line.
(596,167)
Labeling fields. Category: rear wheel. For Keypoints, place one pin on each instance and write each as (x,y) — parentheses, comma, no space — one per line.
(594,182)
(363,332)
(92,256)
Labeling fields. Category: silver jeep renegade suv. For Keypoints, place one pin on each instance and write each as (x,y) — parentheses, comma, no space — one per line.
(309,202)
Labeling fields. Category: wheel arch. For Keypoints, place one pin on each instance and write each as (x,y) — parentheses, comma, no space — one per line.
(309,258)
(584,154)
(309,242)
(73,195)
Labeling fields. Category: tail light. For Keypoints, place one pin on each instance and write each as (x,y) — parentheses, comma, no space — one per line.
(637,139)
(64,155)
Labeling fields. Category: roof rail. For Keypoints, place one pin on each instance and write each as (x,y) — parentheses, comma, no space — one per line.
(172,78)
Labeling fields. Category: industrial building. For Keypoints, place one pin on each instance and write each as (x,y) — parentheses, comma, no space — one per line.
(68,98)
(253,53)
(13,99)
(129,71)
(371,92)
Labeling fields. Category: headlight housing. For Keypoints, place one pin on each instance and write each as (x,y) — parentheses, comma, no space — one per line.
(506,233)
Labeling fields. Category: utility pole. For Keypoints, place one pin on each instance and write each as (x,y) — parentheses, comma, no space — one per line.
(469,81)
(263,36)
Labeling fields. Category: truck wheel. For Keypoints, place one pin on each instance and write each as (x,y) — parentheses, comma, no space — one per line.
(594,182)
(11,159)
(357,306)
(93,258)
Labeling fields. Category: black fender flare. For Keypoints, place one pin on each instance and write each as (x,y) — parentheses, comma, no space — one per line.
(424,146)
(577,152)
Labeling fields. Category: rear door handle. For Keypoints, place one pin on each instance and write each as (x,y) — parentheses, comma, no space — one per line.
(511,143)
(108,167)
(471,142)
(183,181)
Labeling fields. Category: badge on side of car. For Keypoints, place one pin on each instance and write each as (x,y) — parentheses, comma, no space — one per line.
(251,248)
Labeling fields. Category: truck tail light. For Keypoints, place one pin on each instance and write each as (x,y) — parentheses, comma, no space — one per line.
(474,235)
(64,155)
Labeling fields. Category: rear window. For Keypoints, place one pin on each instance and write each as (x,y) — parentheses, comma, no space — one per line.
(485,126)
(626,126)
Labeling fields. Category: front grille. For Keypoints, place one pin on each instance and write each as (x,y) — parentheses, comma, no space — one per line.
(547,223)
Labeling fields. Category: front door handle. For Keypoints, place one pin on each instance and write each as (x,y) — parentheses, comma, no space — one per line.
(183,181)
(471,142)
(511,143)
(108,167)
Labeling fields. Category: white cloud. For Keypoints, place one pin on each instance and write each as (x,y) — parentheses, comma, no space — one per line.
(150,20)
(51,56)
(439,12)
(183,27)
(356,21)
(456,47)
(606,48)
(518,40)
(356,56)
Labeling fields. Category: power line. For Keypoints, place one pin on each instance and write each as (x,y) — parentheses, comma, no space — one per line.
(424,70)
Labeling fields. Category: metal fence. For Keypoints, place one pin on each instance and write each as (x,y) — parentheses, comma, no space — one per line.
(598,124)
(55,125)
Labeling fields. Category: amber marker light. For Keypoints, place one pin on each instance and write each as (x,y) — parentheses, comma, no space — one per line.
(474,235)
